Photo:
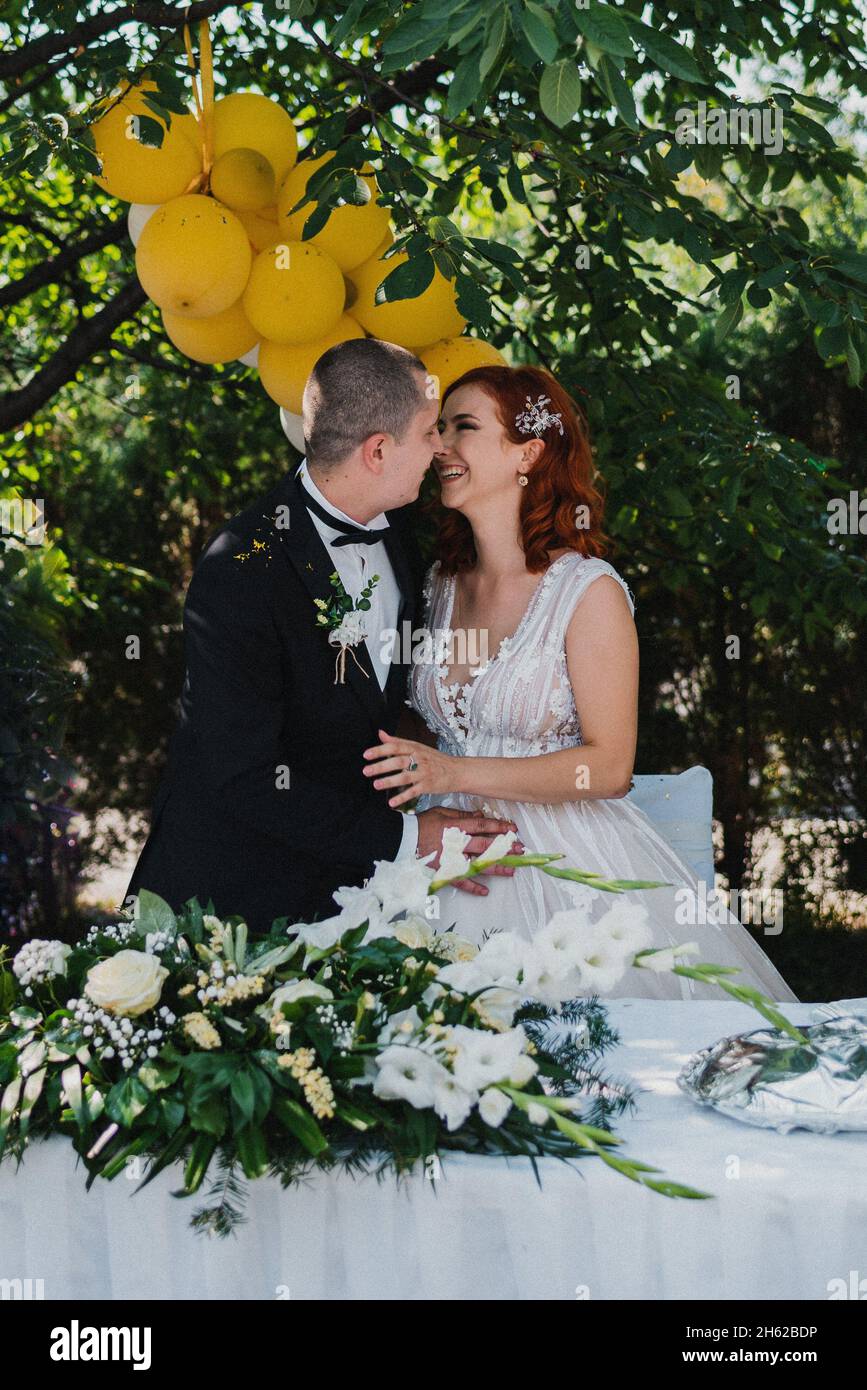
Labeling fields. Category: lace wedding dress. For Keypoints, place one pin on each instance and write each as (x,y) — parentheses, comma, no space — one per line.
(518,705)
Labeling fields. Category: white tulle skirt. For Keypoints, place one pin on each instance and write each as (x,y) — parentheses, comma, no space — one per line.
(617,840)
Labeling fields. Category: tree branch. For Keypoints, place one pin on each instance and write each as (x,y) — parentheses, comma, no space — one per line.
(29,55)
(51,269)
(79,347)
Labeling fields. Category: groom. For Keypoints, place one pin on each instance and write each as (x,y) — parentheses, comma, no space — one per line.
(264,808)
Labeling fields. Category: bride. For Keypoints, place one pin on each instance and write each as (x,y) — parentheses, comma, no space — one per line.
(533,709)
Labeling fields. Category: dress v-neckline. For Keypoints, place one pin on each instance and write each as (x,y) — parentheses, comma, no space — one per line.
(448,703)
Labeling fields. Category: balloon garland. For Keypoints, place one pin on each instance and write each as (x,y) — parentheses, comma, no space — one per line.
(218,243)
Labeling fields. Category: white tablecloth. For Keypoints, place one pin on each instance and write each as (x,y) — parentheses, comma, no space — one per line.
(789,1215)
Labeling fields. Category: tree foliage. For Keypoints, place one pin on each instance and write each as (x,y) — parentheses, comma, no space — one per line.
(705,301)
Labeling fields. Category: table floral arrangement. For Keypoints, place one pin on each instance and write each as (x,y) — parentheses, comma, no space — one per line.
(367,1039)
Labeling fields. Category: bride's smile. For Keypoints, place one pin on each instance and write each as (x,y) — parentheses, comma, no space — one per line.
(476,462)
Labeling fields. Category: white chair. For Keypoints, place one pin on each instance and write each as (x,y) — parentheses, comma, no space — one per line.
(681,808)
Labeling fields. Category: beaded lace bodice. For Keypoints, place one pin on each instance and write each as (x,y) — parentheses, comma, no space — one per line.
(520,702)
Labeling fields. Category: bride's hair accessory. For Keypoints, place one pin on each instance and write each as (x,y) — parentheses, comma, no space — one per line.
(536,418)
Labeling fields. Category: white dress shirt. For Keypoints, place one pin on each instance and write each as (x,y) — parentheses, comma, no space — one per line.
(356,565)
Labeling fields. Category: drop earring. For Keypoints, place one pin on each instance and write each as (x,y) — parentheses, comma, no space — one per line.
(522,480)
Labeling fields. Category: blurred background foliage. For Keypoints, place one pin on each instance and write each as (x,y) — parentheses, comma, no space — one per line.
(715,337)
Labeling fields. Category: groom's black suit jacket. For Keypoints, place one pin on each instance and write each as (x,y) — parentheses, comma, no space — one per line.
(259,702)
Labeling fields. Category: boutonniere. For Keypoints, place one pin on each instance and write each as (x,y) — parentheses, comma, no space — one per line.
(343,620)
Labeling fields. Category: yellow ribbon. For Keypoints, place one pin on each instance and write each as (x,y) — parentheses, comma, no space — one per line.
(204,100)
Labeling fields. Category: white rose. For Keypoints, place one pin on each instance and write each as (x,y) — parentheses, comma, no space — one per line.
(128,983)
(293,991)
(415,933)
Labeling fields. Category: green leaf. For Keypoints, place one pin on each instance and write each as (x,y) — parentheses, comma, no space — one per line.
(197,1164)
(252,1151)
(560,91)
(852,264)
(154,913)
(243,1095)
(208,1113)
(316,221)
(539,28)
(126,1100)
(729,319)
(603,26)
(70,1080)
(408,281)
(465,86)
(617,90)
(831,342)
(299,1122)
(665,52)
(853,362)
(498,26)
(472,301)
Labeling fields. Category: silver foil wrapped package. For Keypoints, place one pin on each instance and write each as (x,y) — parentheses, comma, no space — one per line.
(767,1078)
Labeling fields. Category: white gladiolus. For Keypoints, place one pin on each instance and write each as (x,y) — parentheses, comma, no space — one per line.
(407,1073)
(359,905)
(452,1102)
(402,885)
(523,1070)
(626,924)
(399,1027)
(602,961)
(500,846)
(494,1106)
(502,955)
(453,862)
(480,1058)
(320,936)
(661,961)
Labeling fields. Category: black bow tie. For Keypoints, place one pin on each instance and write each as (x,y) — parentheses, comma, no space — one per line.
(349,535)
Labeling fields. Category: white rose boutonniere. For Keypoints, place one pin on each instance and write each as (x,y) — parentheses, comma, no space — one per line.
(343,620)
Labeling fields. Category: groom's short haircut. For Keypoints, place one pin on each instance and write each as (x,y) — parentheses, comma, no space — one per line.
(356,389)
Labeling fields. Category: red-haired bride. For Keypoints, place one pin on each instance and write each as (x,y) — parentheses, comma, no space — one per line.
(533,708)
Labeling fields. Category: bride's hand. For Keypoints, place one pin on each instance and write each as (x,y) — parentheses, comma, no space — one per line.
(399,762)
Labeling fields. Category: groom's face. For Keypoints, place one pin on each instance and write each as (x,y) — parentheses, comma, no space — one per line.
(407,462)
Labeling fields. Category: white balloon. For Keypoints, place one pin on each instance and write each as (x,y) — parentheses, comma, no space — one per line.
(293,428)
(138,215)
(251,356)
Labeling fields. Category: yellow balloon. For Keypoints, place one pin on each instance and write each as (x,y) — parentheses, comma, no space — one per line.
(285,367)
(451,357)
(295,293)
(193,257)
(262,231)
(219,338)
(243,180)
(134,171)
(411,323)
(247,120)
(351,233)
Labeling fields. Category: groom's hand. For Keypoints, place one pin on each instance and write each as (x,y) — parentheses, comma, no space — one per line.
(481,829)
